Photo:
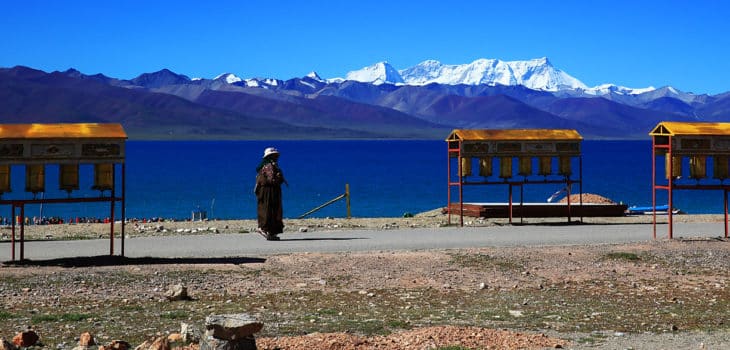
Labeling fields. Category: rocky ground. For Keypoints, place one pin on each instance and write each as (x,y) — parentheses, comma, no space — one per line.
(653,295)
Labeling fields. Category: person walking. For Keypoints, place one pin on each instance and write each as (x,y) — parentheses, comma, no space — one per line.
(268,195)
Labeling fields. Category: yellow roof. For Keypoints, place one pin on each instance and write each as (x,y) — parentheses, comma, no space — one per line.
(514,134)
(61,130)
(679,128)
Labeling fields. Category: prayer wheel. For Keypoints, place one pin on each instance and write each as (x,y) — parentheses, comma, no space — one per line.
(698,167)
(505,167)
(485,166)
(35,178)
(525,166)
(68,177)
(4,178)
(546,166)
(103,177)
(565,166)
(720,167)
(465,166)
(676,166)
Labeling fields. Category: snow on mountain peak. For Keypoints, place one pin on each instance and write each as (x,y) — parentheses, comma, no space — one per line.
(314,75)
(229,78)
(379,73)
(538,74)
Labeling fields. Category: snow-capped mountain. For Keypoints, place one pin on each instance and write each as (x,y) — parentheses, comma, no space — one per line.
(229,78)
(314,75)
(536,74)
(379,73)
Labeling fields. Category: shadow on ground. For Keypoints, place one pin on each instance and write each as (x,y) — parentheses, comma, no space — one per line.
(114,260)
(321,239)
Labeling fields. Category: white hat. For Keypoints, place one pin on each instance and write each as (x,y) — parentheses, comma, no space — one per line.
(269,151)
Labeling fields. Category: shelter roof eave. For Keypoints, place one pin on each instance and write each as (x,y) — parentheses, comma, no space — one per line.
(514,135)
(62,131)
(690,128)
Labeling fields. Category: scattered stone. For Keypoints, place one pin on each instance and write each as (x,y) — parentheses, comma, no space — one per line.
(174,337)
(159,343)
(189,333)
(25,339)
(515,313)
(116,345)
(86,339)
(482,286)
(303,229)
(6,345)
(177,292)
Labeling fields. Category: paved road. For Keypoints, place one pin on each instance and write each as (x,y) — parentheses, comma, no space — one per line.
(253,245)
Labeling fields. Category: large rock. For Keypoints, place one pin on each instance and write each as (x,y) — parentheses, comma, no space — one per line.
(25,339)
(220,344)
(231,326)
(177,292)
(230,332)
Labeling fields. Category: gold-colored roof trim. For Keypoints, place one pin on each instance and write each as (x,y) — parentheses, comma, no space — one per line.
(694,128)
(514,135)
(62,130)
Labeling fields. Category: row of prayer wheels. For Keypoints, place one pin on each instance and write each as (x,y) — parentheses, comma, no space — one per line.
(545,166)
(68,177)
(698,167)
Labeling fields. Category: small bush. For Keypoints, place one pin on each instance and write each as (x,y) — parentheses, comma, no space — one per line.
(623,256)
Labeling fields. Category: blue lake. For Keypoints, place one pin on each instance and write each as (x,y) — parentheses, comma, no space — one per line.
(386,177)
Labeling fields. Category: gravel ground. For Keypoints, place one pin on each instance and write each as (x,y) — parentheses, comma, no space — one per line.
(652,295)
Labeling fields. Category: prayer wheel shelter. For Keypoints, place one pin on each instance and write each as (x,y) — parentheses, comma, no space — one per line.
(695,157)
(36,146)
(504,148)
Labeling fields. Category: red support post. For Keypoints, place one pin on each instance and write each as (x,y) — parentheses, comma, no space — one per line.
(448,181)
(725,197)
(671,183)
(124,206)
(510,203)
(22,232)
(12,230)
(653,182)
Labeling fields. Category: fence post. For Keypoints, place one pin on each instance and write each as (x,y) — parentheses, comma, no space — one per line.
(347,200)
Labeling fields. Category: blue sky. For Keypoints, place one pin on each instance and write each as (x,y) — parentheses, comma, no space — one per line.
(685,44)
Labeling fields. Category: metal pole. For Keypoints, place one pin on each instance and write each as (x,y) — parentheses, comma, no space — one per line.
(568,186)
(124,205)
(111,215)
(323,205)
(580,185)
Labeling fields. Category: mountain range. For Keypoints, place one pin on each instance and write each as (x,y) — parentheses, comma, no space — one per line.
(425,101)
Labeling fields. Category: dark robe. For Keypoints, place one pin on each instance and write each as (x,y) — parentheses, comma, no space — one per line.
(268,197)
